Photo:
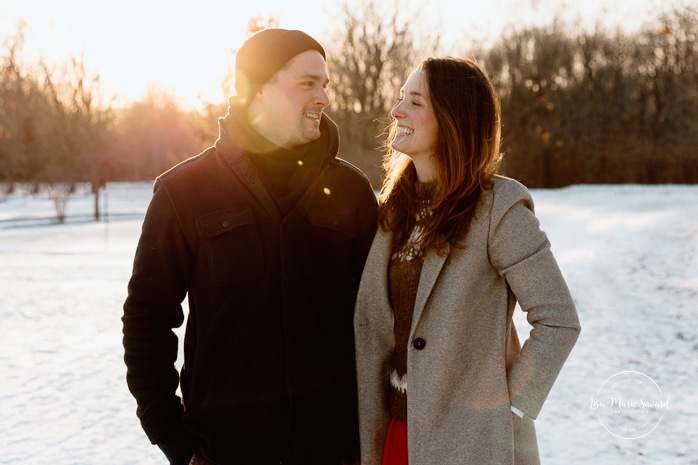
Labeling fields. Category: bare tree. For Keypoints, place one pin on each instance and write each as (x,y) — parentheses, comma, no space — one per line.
(258,23)
(154,134)
(80,119)
(21,118)
(207,128)
(600,107)
(532,69)
(369,61)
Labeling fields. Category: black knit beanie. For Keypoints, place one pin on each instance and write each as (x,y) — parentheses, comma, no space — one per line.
(266,52)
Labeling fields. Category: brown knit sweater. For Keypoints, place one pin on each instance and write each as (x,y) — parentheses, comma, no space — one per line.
(403,273)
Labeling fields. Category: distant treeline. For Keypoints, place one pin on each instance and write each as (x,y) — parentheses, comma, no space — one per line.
(578,107)
(600,108)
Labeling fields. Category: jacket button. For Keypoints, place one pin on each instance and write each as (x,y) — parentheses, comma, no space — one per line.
(419,343)
(226,224)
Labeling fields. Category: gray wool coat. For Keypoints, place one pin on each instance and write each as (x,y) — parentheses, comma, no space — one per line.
(462,383)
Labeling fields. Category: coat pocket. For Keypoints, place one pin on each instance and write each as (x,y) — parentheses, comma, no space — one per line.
(232,245)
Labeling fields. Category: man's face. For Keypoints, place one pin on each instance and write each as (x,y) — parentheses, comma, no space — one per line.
(288,109)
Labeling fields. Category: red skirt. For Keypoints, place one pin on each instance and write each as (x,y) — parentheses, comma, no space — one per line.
(395,449)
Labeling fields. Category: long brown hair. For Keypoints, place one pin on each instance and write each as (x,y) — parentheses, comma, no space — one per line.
(467,155)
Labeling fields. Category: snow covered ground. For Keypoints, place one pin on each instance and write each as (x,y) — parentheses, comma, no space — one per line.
(629,253)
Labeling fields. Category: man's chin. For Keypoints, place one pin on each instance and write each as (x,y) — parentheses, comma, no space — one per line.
(308,138)
(312,135)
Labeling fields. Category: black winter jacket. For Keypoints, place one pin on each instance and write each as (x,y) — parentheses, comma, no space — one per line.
(269,371)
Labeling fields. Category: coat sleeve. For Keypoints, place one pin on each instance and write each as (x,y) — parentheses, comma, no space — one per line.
(152,309)
(521,253)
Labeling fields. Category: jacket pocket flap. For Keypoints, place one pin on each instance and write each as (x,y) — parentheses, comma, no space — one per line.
(217,223)
(334,220)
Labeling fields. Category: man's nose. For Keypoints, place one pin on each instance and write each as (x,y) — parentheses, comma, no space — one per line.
(322,98)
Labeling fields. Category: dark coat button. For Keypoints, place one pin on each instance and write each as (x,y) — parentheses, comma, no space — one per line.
(419,343)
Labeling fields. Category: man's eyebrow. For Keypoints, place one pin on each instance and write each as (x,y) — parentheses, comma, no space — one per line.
(313,76)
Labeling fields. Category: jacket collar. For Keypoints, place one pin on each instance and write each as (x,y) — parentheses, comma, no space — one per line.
(236,155)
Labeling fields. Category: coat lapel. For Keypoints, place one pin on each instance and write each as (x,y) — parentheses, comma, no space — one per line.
(433,263)
(377,271)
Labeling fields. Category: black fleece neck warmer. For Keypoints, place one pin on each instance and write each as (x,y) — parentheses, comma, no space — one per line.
(285,173)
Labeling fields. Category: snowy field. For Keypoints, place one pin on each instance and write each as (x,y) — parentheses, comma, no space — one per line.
(629,253)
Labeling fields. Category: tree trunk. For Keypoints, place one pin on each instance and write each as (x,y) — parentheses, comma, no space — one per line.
(96,187)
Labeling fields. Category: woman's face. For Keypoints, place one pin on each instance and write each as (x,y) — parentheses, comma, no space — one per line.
(416,129)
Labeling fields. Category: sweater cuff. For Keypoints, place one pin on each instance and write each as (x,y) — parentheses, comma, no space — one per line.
(518,412)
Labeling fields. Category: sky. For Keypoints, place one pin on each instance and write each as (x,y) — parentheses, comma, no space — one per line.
(185,47)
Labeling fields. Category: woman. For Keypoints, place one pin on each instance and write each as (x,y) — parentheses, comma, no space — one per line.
(442,376)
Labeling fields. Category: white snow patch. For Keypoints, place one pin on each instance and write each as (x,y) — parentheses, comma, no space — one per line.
(629,254)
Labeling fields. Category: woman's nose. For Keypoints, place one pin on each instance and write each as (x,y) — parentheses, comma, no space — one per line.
(397,112)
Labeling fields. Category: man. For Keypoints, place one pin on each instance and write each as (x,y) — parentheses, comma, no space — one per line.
(266,233)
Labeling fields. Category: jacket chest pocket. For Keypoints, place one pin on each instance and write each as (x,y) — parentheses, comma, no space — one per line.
(329,248)
(232,245)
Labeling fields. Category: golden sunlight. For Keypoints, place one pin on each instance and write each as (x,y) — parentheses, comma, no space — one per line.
(182,48)
(186,49)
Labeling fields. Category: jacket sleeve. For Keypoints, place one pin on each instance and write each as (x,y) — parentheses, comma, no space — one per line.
(366,230)
(152,309)
(521,253)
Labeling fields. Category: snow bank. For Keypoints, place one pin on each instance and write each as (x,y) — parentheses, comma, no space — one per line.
(629,253)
